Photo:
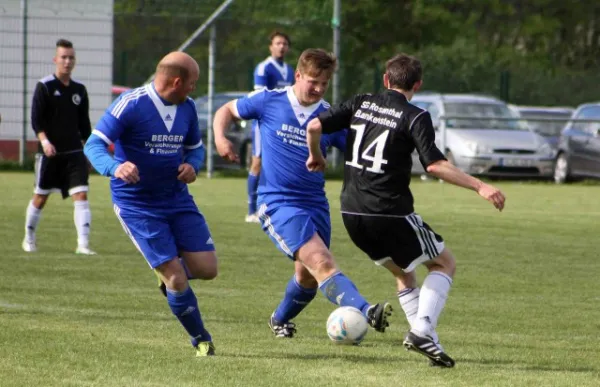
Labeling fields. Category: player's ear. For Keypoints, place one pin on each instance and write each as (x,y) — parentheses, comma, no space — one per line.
(386,81)
(417,86)
(177,82)
(297,75)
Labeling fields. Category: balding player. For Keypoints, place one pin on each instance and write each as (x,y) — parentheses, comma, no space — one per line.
(158,151)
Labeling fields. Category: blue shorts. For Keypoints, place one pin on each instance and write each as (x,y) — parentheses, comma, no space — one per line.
(290,226)
(162,234)
(255,139)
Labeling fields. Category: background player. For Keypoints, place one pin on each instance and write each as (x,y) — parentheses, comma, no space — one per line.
(272,73)
(61,121)
(158,150)
(377,205)
(294,210)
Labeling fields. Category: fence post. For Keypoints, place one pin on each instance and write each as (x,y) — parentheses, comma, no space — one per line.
(23,141)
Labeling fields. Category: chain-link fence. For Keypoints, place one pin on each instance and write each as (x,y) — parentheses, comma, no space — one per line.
(29,30)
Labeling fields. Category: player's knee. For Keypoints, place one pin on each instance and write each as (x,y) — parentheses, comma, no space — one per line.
(80,196)
(445,263)
(321,261)
(210,273)
(39,201)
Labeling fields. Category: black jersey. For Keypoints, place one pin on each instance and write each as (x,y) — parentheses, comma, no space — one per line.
(384,130)
(62,113)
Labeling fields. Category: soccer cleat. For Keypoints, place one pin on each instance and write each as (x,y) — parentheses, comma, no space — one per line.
(161,285)
(287,329)
(29,246)
(427,347)
(84,251)
(205,348)
(252,218)
(378,314)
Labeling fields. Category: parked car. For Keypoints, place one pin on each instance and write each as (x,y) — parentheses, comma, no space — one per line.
(579,145)
(239,134)
(483,136)
(544,120)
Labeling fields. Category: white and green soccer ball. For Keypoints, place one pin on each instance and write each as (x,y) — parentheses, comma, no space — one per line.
(347,325)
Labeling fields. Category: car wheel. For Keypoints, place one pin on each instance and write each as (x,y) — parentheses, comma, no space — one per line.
(561,169)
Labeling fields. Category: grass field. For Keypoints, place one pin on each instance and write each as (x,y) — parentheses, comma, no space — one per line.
(524,310)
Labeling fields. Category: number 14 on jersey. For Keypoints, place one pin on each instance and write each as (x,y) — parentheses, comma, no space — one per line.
(373,152)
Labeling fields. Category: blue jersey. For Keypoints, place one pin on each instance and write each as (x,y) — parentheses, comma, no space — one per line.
(282,121)
(272,74)
(152,134)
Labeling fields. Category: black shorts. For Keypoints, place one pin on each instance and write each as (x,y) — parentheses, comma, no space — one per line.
(66,173)
(407,241)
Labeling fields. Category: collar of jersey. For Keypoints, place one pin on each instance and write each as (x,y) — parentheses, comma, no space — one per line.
(164,101)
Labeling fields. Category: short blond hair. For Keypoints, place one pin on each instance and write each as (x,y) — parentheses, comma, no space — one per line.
(315,61)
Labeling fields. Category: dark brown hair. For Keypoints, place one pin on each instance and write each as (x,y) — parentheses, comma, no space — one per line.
(403,71)
(276,33)
(64,43)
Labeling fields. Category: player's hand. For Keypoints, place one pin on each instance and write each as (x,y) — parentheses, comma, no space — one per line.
(49,149)
(128,172)
(226,150)
(316,163)
(187,174)
(493,195)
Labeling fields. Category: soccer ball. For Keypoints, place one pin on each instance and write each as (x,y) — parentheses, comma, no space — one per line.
(347,325)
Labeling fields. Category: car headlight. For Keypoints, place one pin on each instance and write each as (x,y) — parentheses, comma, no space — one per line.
(478,149)
(472,147)
(546,150)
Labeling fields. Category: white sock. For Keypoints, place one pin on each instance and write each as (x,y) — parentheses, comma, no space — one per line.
(409,301)
(434,293)
(32,218)
(83,219)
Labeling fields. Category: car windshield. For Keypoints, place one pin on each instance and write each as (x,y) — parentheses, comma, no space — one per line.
(546,123)
(481,116)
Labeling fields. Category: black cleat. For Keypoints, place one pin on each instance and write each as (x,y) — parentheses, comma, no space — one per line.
(286,330)
(427,347)
(378,314)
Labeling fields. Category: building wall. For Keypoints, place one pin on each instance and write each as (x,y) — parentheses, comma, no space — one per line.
(87,23)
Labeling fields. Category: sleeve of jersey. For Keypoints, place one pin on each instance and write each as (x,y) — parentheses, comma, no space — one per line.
(260,77)
(337,117)
(251,106)
(423,135)
(84,117)
(38,106)
(193,148)
(338,139)
(96,150)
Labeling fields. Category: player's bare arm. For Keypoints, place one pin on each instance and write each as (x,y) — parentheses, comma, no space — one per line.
(187,174)
(223,119)
(315,162)
(128,172)
(49,149)
(444,170)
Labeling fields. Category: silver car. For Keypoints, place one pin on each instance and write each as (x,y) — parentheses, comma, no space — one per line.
(482,136)
(548,121)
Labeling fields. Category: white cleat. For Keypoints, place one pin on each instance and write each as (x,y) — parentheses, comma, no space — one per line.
(252,218)
(29,246)
(84,251)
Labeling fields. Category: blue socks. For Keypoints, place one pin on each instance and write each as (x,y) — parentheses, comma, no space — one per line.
(185,307)
(341,291)
(252,194)
(296,298)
